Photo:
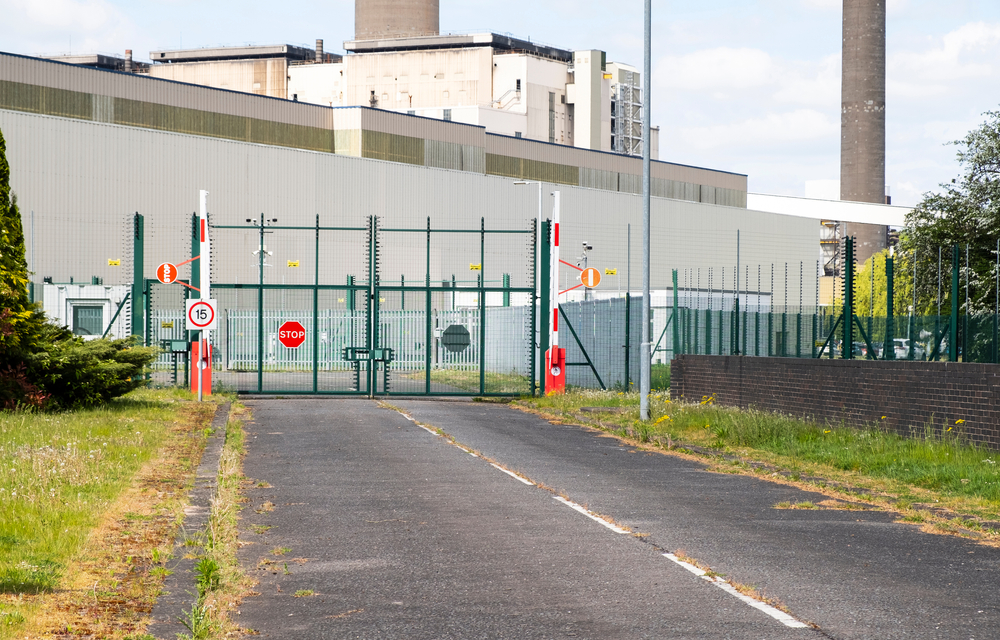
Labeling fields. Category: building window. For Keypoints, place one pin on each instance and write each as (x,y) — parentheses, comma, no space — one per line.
(517,134)
(411,112)
(518,84)
(88,320)
(447,115)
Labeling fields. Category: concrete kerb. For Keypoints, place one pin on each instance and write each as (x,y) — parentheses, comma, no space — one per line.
(179,592)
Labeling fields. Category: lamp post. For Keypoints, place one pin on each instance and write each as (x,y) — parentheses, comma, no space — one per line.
(644,350)
(538,242)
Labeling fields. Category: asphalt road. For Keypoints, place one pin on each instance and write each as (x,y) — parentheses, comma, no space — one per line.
(400,534)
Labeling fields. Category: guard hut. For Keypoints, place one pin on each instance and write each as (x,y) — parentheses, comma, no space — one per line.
(89,310)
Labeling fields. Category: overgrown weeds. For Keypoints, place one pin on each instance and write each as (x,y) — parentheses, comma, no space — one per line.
(88,501)
(220,579)
(937,464)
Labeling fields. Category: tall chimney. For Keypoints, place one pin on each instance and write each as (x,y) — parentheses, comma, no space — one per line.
(862,116)
(319,51)
(128,61)
(378,19)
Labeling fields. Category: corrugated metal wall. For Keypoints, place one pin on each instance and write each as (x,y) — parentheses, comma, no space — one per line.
(44,87)
(82,178)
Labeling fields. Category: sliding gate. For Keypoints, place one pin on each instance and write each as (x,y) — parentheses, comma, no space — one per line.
(385,310)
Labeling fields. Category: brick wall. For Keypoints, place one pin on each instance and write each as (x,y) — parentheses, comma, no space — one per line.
(910,395)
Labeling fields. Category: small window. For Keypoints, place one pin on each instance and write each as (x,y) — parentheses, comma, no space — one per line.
(518,84)
(447,115)
(411,112)
(517,134)
(88,320)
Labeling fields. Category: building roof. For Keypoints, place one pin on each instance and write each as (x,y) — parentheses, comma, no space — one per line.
(96,60)
(287,51)
(460,41)
(839,210)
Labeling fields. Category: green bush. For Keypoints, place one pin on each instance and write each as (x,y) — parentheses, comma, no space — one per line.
(75,373)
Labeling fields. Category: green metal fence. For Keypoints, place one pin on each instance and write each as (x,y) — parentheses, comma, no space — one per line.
(456,317)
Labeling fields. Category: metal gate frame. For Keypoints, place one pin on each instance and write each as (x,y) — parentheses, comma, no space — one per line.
(371,358)
(481,288)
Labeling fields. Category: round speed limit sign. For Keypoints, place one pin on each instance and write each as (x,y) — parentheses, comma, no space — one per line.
(201,315)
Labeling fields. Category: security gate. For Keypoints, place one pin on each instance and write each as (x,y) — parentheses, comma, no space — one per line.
(405,311)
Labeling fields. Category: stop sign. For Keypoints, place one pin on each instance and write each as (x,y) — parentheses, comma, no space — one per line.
(291,334)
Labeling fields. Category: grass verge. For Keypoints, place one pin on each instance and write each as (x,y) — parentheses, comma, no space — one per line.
(220,580)
(938,479)
(89,502)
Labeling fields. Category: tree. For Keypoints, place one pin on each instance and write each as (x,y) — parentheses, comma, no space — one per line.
(42,365)
(965,212)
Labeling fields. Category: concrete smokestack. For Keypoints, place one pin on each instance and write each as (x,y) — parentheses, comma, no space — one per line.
(319,51)
(128,61)
(378,19)
(862,119)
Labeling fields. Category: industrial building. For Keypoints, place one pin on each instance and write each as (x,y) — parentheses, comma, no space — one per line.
(349,193)
(400,62)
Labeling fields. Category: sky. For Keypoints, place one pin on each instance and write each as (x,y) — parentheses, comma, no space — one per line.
(749,86)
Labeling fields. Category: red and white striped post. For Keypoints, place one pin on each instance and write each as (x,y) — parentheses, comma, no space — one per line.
(201,351)
(555,359)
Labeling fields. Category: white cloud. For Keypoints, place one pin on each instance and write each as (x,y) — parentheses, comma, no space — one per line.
(962,55)
(717,70)
(50,26)
(724,74)
(765,132)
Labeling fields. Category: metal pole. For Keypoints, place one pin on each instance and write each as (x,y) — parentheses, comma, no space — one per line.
(953,328)
(34,261)
(205,280)
(315,327)
(647,71)
(965,317)
(889,347)
(201,355)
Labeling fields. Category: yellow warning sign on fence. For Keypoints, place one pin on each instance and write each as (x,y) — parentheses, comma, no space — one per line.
(293,263)
(476,267)
(167,325)
(114,263)
(611,272)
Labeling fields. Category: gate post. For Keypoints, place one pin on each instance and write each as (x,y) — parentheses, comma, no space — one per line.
(544,291)
(315,331)
(138,280)
(428,328)
(889,347)
(675,347)
(953,328)
(482,305)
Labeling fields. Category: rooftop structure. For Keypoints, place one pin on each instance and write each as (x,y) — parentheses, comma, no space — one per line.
(396,18)
(251,52)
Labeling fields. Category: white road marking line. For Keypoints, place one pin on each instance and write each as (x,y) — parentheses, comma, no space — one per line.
(410,418)
(777,614)
(513,475)
(576,507)
(687,565)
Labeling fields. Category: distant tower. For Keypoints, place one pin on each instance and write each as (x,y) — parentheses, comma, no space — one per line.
(862,116)
(378,19)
